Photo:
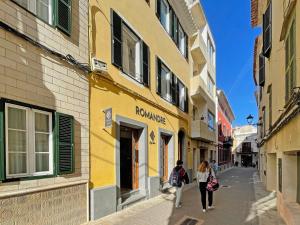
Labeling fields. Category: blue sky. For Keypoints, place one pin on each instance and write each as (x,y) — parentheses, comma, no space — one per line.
(230,23)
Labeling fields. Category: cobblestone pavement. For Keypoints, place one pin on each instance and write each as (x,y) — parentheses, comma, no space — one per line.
(241,200)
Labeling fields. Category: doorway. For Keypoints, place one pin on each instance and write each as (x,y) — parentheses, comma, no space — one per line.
(181,136)
(164,148)
(246,160)
(195,160)
(129,159)
(202,155)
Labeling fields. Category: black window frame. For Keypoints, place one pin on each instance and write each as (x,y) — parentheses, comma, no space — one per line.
(267,31)
(174,87)
(117,50)
(172,33)
(262,69)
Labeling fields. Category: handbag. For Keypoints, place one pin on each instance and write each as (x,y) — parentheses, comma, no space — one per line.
(212,183)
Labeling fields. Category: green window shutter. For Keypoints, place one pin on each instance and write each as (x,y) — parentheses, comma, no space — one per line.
(63,15)
(64,128)
(145,64)
(116,39)
(186,102)
(2,155)
(158,78)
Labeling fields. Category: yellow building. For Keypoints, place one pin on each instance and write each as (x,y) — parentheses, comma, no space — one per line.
(276,70)
(144,92)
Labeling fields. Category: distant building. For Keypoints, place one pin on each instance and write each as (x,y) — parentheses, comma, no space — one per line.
(225,141)
(245,149)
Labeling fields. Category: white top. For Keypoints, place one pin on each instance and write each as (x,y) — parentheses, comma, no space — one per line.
(202,177)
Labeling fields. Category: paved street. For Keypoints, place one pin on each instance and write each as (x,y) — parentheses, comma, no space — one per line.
(240,201)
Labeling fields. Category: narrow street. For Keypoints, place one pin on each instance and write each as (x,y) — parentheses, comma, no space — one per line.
(241,200)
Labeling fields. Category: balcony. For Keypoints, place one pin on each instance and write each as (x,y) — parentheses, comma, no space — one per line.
(201,131)
(199,92)
(245,150)
(199,49)
(197,12)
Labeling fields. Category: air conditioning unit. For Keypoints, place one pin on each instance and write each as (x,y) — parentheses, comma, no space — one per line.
(99,66)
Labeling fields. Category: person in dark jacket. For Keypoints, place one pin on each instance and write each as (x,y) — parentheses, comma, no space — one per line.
(177,179)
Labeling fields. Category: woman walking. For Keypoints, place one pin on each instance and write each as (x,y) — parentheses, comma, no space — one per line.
(204,171)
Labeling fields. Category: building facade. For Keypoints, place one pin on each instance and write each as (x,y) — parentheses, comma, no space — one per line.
(44,112)
(145,92)
(245,150)
(225,140)
(276,73)
(204,130)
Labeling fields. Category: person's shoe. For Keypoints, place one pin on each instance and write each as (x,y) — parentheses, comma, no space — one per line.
(204,210)
(179,206)
(211,207)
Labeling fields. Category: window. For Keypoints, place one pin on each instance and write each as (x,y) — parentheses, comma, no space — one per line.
(129,52)
(261,70)
(298,177)
(182,96)
(58,14)
(211,121)
(182,41)
(28,143)
(290,62)
(29,148)
(171,24)
(270,106)
(267,31)
(280,174)
(170,88)
(210,86)
(164,15)
(211,51)
(166,83)
(264,122)
(40,8)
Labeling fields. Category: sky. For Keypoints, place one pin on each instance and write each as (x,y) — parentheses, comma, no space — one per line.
(230,23)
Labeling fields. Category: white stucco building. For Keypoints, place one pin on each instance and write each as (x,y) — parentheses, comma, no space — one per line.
(245,151)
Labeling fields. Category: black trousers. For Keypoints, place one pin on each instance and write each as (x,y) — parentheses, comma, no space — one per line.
(203,190)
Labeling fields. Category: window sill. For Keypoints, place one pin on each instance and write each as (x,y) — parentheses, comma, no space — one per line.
(131,79)
(44,188)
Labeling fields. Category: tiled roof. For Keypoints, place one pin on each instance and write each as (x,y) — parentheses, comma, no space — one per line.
(254,13)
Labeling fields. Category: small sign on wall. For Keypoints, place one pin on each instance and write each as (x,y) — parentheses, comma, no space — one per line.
(108,117)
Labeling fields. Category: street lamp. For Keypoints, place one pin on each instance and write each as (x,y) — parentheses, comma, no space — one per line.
(250,121)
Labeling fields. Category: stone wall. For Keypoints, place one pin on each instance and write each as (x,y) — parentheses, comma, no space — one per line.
(58,206)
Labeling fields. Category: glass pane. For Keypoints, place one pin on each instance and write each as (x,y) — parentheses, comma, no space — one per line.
(165,83)
(41,162)
(16,141)
(130,45)
(164,14)
(42,9)
(17,163)
(41,143)
(181,95)
(41,122)
(16,118)
(22,3)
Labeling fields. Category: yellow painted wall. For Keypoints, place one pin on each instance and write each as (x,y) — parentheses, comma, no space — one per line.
(105,90)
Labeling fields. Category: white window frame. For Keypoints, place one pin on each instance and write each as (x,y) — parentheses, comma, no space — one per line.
(31,7)
(30,142)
